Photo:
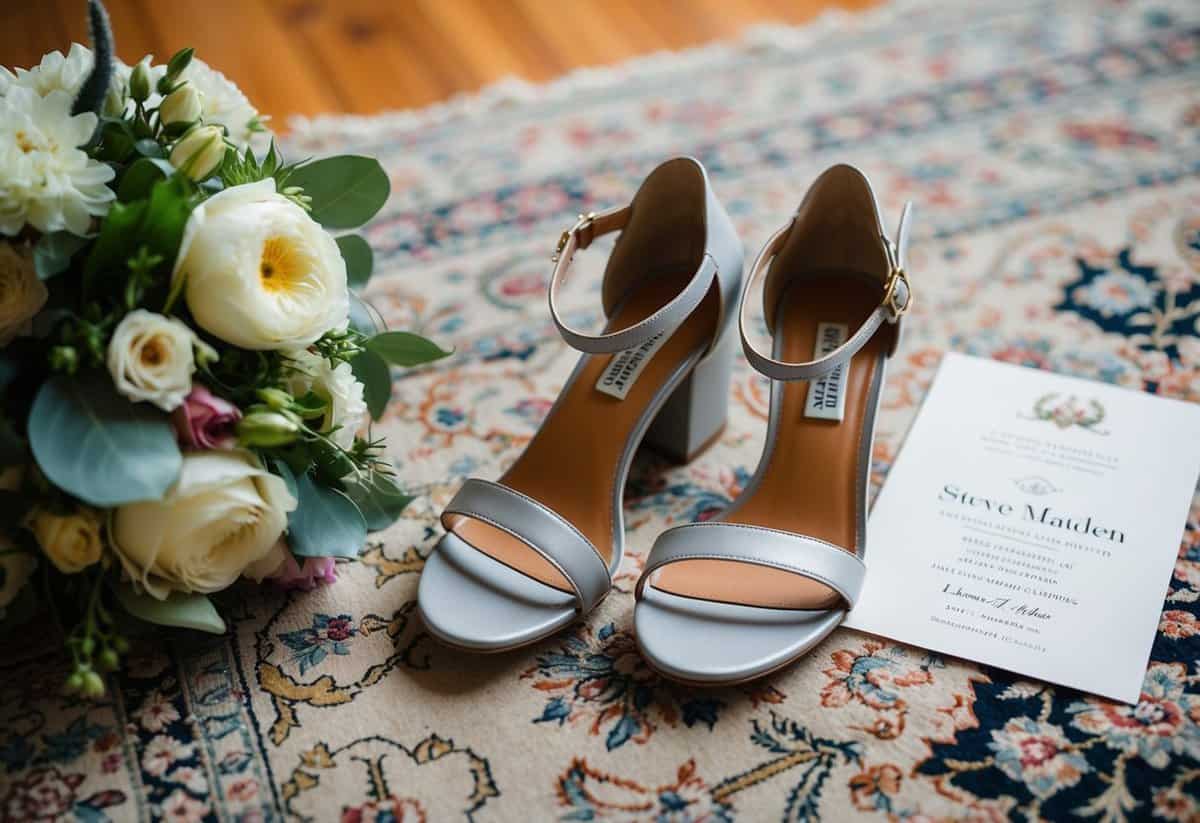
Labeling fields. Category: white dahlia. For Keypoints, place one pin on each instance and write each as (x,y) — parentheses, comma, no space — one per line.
(46,181)
(223,103)
(59,73)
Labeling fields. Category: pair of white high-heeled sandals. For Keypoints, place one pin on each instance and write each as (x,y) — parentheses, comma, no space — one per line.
(733,598)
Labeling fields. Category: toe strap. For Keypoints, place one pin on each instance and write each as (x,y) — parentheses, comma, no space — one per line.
(808,557)
(538,527)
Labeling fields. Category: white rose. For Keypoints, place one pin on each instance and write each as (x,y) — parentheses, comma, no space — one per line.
(16,567)
(22,294)
(223,515)
(258,272)
(71,541)
(338,387)
(152,357)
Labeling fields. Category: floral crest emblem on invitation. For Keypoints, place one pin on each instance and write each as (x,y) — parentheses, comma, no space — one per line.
(1065,413)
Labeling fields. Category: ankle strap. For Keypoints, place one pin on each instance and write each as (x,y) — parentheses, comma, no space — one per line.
(896,301)
(586,229)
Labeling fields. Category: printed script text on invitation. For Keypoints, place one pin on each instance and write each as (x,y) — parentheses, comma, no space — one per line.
(1031,522)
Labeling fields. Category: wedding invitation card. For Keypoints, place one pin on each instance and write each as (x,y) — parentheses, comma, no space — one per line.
(1031,522)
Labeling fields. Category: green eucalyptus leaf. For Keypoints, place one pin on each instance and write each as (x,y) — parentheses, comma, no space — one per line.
(148,147)
(376,377)
(379,499)
(180,610)
(346,191)
(401,348)
(52,254)
(326,523)
(281,467)
(93,443)
(359,259)
(364,318)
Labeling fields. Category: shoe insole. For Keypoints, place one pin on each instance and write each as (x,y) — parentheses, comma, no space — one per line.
(810,485)
(571,464)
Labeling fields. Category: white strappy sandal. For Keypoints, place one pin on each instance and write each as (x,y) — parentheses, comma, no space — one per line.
(731,600)
(527,554)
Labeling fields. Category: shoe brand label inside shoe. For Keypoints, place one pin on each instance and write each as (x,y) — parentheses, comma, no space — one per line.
(827,396)
(623,370)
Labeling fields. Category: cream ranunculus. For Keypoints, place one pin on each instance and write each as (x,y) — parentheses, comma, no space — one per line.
(22,294)
(71,541)
(258,272)
(223,515)
(152,357)
(347,410)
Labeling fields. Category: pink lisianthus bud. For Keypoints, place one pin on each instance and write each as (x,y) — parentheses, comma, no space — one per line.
(205,421)
(315,571)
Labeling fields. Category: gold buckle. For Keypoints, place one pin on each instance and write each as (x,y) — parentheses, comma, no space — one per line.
(889,293)
(583,222)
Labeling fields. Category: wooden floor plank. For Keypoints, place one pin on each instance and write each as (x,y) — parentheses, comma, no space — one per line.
(361,56)
(135,36)
(244,41)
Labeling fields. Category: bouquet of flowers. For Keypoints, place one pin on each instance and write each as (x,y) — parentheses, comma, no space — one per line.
(186,378)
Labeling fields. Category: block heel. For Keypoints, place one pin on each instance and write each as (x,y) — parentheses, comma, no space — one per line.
(694,415)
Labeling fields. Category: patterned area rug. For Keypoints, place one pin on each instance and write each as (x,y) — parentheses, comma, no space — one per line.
(1054,152)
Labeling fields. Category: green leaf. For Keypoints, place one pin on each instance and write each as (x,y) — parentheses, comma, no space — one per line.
(93,443)
(139,179)
(116,140)
(52,255)
(401,348)
(376,378)
(179,610)
(379,499)
(359,259)
(330,463)
(346,191)
(326,523)
(156,223)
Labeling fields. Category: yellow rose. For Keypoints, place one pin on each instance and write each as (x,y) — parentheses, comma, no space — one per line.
(223,515)
(71,541)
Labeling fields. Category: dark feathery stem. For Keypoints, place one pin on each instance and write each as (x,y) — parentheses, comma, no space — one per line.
(95,88)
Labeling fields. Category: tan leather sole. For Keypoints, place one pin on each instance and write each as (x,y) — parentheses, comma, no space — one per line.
(810,485)
(571,464)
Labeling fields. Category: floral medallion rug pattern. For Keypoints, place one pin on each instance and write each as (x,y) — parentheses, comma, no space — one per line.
(1054,150)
